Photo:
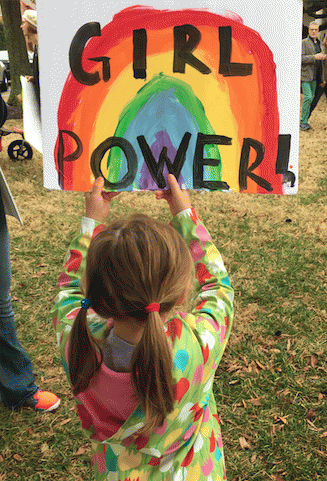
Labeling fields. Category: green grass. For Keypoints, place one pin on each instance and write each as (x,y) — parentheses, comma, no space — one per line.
(271,386)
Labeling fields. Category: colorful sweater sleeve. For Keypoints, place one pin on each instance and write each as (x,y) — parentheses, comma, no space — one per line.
(68,300)
(212,303)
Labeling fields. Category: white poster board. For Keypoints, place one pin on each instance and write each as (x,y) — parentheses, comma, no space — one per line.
(279,25)
(7,199)
(32,119)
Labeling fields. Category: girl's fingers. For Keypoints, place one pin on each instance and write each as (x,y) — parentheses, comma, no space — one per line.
(109,195)
(173,184)
(162,194)
(97,186)
(158,194)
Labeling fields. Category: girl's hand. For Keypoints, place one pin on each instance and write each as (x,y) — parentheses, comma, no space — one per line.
(178,200)
(97,202)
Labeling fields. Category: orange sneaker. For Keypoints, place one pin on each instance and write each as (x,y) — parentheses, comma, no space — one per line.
(43,401)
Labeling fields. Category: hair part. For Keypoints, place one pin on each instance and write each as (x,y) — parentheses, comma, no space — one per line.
(132,263)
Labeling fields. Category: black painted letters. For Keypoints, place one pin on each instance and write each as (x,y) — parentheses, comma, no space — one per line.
(77,46)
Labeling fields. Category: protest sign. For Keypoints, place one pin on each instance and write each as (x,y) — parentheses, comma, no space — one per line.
(7,199)
(32,119)
(209,95)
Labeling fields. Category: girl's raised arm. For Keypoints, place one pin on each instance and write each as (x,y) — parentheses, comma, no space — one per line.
(212,303)
(178,200)
(97,202)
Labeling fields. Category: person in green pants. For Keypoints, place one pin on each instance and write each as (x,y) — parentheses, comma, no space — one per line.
(310,70)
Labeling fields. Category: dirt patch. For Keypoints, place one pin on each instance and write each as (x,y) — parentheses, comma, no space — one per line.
(15,112)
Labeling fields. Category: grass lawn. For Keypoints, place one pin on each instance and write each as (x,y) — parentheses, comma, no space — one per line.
(271,386)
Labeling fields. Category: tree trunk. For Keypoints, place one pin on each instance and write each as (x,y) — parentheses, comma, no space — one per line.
(17,53)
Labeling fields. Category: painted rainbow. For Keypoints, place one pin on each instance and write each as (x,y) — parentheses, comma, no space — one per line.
(188,91)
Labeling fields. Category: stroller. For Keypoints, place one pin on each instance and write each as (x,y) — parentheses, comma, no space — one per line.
(18,149)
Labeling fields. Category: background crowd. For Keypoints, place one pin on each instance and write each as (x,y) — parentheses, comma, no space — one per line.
(313,72)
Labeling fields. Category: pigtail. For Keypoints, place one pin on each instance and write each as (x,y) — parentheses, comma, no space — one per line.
(151,368)
(83,359)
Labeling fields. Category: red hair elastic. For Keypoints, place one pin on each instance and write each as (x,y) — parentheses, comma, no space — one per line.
(154,307)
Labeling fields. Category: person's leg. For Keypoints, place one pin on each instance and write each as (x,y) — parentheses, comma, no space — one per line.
(325,90)
(318,93)
(308,89)
(16,375)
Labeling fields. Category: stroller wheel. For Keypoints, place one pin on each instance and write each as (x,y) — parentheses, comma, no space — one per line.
(20,150)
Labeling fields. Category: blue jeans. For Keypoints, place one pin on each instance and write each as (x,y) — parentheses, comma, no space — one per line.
(16,374)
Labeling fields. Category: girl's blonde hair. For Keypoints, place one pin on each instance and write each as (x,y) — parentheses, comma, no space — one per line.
(132,263)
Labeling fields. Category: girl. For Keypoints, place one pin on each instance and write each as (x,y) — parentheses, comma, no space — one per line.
(142,378)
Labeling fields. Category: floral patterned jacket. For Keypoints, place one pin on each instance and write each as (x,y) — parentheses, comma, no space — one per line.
(188,446)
